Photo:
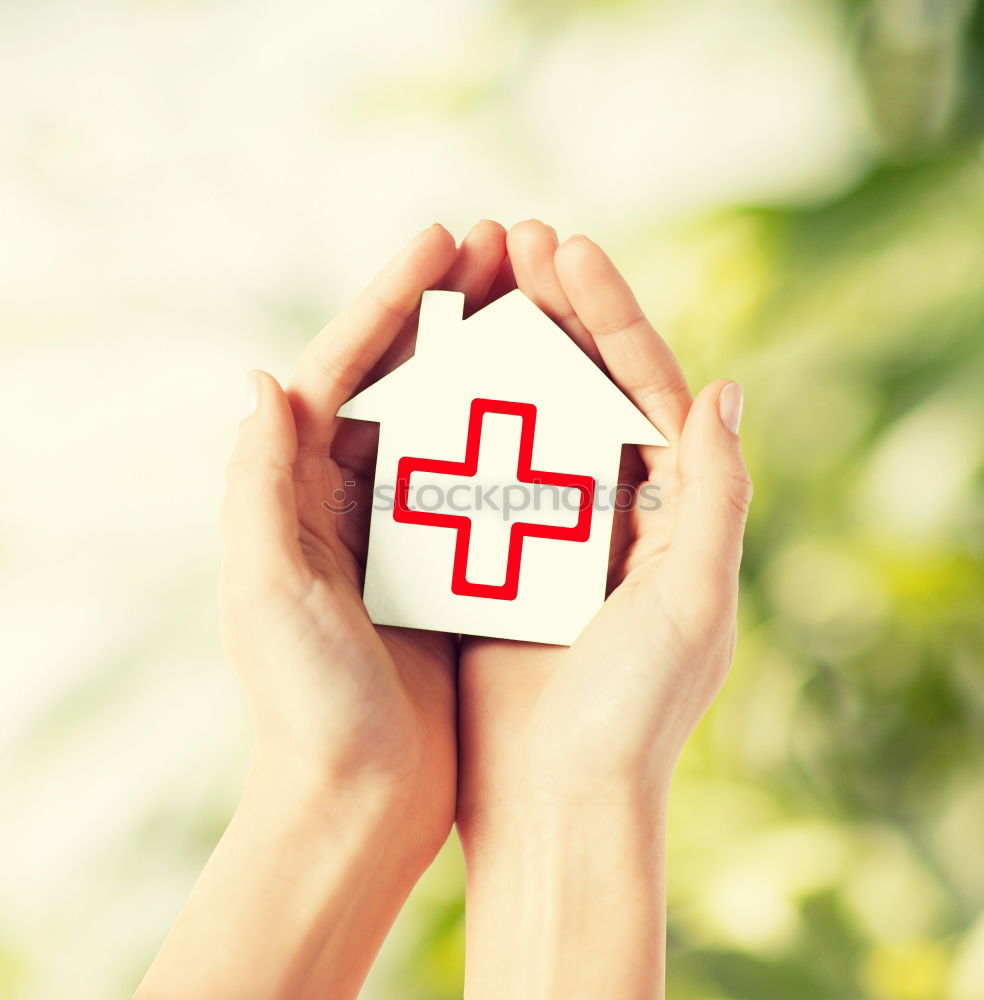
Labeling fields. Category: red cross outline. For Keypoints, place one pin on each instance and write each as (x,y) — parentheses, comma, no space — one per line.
(463,525)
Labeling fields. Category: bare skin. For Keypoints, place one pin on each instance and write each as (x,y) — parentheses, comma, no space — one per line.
(369,741)
(566,753)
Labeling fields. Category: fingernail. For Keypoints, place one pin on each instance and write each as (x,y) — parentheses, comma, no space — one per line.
(729,406)
(252,393)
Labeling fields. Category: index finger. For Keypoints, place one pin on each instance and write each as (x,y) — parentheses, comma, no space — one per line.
(338,359)
(637,358)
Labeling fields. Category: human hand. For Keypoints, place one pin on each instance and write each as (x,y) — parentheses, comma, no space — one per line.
(617,706)
(340,706)
(351,786)
(566,753)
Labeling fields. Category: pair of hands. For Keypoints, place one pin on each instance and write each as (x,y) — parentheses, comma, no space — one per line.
(489,732)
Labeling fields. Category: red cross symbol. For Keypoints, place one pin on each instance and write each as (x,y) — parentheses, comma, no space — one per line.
(518,530)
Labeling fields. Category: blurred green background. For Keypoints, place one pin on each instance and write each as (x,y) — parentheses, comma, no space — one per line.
(796,189)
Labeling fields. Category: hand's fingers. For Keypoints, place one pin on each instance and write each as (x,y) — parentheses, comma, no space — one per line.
(635,354)
(532,245)
(715,490)
(259,511)
(503,283)
(479,258)
(337,360)
(475,266)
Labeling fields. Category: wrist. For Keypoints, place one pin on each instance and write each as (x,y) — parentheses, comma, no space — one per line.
(299,893)
(367,811)
(542,813)
(560,828)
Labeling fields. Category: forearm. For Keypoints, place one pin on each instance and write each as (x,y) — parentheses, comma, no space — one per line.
(295,900)
(569,903)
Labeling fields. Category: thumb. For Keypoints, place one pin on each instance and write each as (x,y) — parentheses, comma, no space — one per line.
(259,510)
(715,491)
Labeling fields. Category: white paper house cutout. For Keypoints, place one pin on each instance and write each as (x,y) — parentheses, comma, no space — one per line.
(492,438)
